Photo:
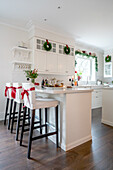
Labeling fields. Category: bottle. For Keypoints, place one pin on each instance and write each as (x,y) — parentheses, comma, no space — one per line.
(72,82)
(42,83)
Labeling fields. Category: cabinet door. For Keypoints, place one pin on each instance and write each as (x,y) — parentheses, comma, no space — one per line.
(70,65)
(40,61)
(62,64)
(52,63)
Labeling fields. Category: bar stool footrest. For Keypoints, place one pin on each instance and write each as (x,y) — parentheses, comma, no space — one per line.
(44,135)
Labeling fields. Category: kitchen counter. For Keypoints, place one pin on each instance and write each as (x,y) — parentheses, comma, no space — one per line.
(57,90)
(74,115)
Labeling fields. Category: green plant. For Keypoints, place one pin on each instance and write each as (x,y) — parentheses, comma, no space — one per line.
(32,74)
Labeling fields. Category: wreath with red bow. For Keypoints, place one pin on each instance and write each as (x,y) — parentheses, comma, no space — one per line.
(67,49)
(47,45)
(108,58)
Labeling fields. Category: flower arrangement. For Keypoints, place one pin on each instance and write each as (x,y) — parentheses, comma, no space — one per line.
(32,74)
(78,75)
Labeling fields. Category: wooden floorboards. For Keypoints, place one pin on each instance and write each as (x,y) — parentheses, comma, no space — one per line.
(93,155)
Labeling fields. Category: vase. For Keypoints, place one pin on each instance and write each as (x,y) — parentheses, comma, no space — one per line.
(33,80)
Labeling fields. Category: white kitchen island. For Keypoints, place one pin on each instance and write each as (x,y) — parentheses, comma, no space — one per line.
(74,115)
(107,106)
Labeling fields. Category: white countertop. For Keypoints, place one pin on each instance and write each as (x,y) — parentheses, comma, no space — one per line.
(53,90)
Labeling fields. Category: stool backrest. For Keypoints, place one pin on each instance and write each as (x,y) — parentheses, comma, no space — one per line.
(18,97)
(9,86)
(29,100)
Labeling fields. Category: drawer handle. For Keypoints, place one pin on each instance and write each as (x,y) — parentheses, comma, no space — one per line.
(96,96)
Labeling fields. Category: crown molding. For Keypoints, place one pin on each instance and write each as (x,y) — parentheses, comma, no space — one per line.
(13,26)
(108,51)
(85,45)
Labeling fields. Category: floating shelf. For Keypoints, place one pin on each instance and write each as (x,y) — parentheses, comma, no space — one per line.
(21,62)
(21,49)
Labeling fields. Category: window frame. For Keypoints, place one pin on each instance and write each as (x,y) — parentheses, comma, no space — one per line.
(91,62)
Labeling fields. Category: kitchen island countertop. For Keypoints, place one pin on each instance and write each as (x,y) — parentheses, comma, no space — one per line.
(63,90)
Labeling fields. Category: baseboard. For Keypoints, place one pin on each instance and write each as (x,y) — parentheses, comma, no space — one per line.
(107,122)
(78,142)
(73,144)
(1,116)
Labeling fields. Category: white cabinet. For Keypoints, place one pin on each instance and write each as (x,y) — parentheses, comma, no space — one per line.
(45,62)
(40,61)
(96,98)
(70,65)
(52,63)
(62,64)
(66,64)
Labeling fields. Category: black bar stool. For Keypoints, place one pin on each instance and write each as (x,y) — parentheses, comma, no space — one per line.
(38,103)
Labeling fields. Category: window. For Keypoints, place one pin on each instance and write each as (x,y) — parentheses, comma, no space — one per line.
(108,69)
(86,68)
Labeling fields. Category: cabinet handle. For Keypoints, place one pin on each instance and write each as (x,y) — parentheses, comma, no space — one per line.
(66,71)
(47,70)
(96,96)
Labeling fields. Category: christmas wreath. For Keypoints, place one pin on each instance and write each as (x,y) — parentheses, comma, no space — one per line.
(108,58)
(67,49)
(47,45)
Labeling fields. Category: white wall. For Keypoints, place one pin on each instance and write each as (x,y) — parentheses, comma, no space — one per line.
(9,37)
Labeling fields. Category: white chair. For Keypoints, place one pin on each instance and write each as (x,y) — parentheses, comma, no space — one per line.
(38,103)
(16,95)
(8,90)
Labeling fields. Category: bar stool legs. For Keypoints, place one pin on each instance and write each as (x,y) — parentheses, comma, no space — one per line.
(6,111)
(56,126)
(23,123)
(40,117)
(13,117)
(18,121)
(31,133)
(10,113)
(46,128)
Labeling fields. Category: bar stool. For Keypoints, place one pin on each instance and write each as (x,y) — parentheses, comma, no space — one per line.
(16,95)
(33,103)
(8,91)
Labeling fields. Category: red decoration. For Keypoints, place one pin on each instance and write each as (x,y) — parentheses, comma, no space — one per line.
(89,53)
(27,93)
(6,90)
(37,84)
(84,51)
(13,93)
(47,42)
(66,45)
(75,71)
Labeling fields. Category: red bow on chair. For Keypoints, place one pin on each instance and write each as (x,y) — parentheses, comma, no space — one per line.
(13,93)
(27,93)
(6,90)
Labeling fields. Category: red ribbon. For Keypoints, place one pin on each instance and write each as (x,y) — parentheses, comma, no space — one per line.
(67,46)
(27,93)
(6,90)
(47,42)
(13,93)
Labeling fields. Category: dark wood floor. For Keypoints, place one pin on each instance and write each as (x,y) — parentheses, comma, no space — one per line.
(94,155)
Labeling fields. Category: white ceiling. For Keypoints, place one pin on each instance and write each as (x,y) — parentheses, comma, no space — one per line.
(87,21)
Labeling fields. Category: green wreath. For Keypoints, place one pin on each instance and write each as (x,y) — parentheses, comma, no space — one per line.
(66,49)
(108,58)
(47,45)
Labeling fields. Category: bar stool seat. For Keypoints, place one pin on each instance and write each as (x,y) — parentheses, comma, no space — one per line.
(38,103)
